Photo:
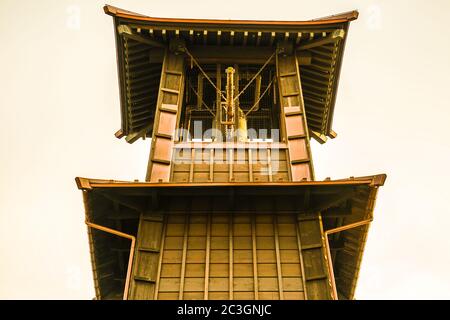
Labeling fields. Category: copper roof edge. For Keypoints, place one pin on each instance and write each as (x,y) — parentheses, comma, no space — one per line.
(337,18)
(88,183)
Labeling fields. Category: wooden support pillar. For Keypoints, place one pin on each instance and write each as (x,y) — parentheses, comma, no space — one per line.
(293,115)
(168,110)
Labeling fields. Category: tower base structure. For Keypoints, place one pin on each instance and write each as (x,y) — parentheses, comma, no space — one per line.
(291,240)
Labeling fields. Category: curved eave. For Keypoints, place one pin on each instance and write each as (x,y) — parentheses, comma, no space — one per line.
(339,18)
(99,194)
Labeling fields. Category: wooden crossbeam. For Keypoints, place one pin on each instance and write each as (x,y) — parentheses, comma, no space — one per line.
(231,54)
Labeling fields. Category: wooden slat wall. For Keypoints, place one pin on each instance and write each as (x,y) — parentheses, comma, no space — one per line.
(224,256)
(210,164)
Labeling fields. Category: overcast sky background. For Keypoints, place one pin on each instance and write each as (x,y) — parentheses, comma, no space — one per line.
(59,109)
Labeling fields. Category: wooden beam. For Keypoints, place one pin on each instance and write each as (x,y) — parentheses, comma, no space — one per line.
(231,55)
(133,137)
(119,134)
(333,37)
(332,134)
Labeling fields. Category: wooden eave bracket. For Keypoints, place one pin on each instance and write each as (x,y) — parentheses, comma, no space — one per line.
(332,134)
(83,183)
(119,134)
(321,138)
(378,180)
(125,31)
(133,137)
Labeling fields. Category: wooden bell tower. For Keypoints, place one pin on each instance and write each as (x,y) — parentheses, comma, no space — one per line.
(229,208)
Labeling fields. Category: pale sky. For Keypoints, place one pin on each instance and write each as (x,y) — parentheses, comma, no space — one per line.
(59,109)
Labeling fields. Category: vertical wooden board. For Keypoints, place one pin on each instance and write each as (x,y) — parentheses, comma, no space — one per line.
(142,290)
(150,235)
(238,295)
(264,229)
(195,242)
(274,295)
(286,229)
(287,242)
(195,256)
(318,290)
(294,295)
(310,232)
(219,256)
(242,229)
(169,270)
(175,229)
(243,256)
(300,171)
(218,270)
(260,177)
(289,256)
(314,263)
(201,166)
(241,176)
(243,270)
(194,284)
(219,229)
(267,284)
(292,284)
(267,269)
(220,176)
(219,243)
(173,243)
(279,165)
(193,295)
(167,123)
(195,270)
(242,242)
(169,285)
(289,84)
(298,149)
(218,284)
(163,149)
(266,256)
(159,172)
(147,264)
(201,177)
(291,269)
(243,284)
(168,296)
(197,229)
(218,295)
(172,256)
